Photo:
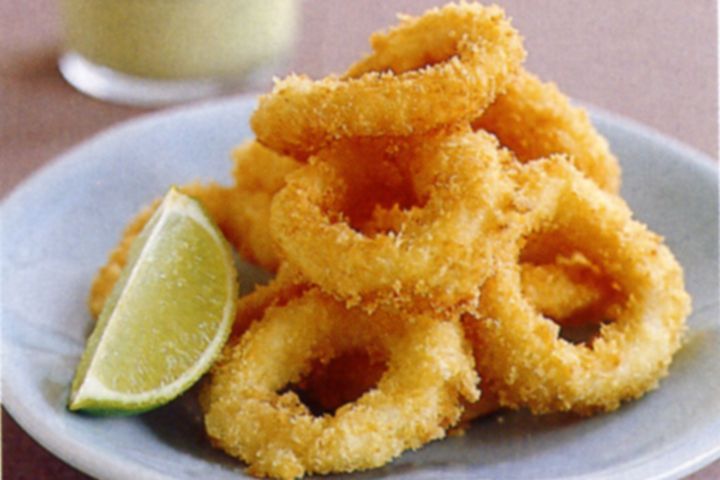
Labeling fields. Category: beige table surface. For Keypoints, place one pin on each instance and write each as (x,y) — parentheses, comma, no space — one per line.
(654,61)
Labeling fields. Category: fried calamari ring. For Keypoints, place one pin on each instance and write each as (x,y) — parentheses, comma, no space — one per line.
(342,380)
(285,286)
(329,384)
(534,120)
(445,245)
(518,352)
(429,369)
(570,291)
(488,404)
(552,290)
(434,70)
(567,290)
(259,173)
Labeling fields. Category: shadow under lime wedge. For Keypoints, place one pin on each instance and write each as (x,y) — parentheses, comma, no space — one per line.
(167,318)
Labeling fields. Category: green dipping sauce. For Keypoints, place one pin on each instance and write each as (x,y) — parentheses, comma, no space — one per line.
(180,39)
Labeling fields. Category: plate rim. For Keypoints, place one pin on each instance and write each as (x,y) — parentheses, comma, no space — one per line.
(74,452)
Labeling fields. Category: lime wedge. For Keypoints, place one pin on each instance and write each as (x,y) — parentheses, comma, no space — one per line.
(167,318)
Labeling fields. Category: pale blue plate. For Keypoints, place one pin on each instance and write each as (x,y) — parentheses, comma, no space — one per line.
(58,227)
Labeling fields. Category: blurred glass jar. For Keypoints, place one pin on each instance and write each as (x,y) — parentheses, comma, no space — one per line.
(153,52)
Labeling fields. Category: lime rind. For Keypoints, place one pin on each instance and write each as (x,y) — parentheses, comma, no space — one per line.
(88,392)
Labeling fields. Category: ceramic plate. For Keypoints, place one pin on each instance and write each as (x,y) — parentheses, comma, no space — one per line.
(58,227)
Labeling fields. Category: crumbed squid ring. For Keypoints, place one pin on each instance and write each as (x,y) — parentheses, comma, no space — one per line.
(259,173)
(443,247)
(568,289)
(429,370)
(427,72)
(535,120)
(518,351)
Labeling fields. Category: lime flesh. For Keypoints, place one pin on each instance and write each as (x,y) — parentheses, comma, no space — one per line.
(167,318)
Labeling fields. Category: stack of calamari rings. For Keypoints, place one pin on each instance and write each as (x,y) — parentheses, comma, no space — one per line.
(440,222)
